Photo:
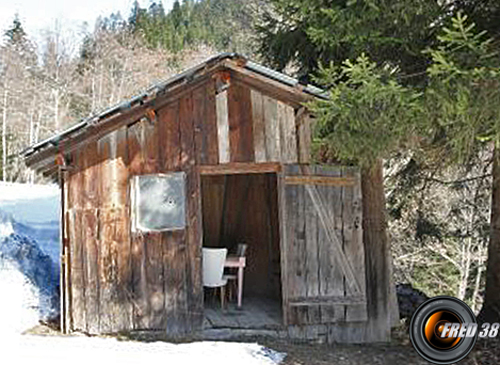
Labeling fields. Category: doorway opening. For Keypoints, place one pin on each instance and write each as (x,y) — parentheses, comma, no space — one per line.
(243,209)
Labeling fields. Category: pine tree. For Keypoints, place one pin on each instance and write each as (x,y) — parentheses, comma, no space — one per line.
(464,119)
(307,31)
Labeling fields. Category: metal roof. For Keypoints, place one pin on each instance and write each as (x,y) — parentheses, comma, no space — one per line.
(162,86)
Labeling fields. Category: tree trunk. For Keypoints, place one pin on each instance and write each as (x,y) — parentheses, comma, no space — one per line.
(491,307)
(381,294)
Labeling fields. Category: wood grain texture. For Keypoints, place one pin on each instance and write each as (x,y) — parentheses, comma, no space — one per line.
(312,257)
(239,168)
(223,127)
(205,124)
(90,232)
(272,130)
(318,264)
(193,258)
(298,274)
(90,235)
(287,131)
(376,248)
(189,258)
(139,290)
(77,274)
(107,252)
(353,240)
(259,126)
(175,282)
(169,141)
(240,123)
(304,136)
(320,180)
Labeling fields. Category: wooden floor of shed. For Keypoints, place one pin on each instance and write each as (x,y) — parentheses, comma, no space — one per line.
(256,313)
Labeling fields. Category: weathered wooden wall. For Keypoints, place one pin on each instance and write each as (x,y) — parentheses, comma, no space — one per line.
(254,127)
(243,208)
(123,281)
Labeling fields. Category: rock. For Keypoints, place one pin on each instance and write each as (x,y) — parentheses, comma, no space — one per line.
(409,299)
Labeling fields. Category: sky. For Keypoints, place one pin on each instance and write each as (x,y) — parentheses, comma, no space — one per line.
(38,15)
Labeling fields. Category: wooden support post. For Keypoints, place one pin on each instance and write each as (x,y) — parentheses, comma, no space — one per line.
(64,264)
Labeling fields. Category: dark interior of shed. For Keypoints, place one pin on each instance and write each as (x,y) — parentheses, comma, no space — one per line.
(243,208)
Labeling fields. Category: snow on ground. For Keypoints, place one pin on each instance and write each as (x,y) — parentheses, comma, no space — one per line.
(90,351)
(29,250)
(29,245)
(18,300)
(33,211)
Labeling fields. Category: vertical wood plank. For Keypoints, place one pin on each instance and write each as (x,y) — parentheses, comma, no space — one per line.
(122,230)
(304,137)
(334,280)
(205,124)
(152,241)
(353,240)
(90,232)
(150,146)
(154,272)
(169,137)
(67,326)
(194,251)
(313,259)
(114,239)
(240,123)
(285,221)
(90,229)
(190,258)
(77,273)
(175,281)
(106,248)
(272,131)
(76,244)
(259,127)
(223,127)
(139,292)
(287,132)
(300,256)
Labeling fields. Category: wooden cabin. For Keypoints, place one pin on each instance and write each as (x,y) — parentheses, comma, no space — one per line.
(215,156)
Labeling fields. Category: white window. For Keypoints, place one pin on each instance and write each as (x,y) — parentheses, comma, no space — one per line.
(158,202)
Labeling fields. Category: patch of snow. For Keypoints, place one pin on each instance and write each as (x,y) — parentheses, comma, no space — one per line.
(18,302)
(29,242)
(84,350)
(6,229)
(33,211)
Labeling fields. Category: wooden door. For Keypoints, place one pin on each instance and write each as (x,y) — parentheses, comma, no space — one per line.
(323,263)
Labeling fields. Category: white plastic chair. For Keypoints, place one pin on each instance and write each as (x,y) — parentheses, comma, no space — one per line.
(213,269)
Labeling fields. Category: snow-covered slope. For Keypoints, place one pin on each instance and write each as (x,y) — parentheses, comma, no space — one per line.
(33,211)
(29,251)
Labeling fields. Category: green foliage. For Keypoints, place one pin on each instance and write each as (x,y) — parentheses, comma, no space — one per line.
(462,99)
(368,114)
(218,23)
(308,31)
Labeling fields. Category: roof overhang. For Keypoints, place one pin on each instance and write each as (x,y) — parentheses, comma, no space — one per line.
(42,155)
